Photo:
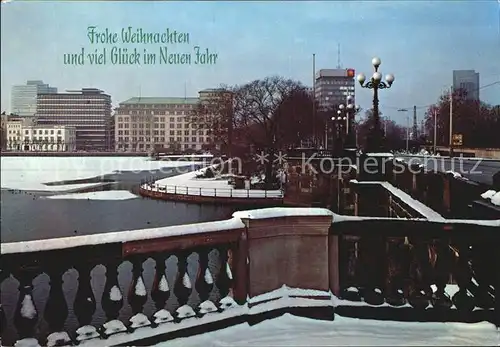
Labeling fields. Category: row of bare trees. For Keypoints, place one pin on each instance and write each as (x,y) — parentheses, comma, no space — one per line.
(266,115)
(477,122)
(394,134)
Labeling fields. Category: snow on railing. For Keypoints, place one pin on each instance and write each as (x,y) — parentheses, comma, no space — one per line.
(213,192)
(231,268)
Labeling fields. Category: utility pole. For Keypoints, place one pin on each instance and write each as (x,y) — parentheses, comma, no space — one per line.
(407,131)
(451,122)
(407,125)
(435,129)
(415,126)
(314,99)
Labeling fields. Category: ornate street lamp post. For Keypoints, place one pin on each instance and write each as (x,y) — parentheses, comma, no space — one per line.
(348,112)
(376,83)
(339,124)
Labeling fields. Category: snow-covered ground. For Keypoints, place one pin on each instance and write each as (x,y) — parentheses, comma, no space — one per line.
(31,173)
(101,195)
(188,184)
(289,330)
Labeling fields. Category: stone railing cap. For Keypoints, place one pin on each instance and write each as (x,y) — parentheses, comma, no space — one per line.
(277,212)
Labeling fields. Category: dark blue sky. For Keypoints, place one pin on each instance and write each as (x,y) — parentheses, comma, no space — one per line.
(420,42)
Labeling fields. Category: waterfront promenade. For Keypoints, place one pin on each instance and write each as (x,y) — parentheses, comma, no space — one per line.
(188,187)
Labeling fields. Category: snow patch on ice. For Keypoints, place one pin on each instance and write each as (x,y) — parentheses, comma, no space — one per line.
(30,173)
(100,195)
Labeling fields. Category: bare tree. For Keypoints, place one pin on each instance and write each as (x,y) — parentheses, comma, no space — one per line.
(478,122)
(215,115)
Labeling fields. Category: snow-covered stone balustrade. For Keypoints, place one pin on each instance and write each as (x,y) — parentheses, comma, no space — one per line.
(161,283)
(416,269)
(449,193)
(208,263)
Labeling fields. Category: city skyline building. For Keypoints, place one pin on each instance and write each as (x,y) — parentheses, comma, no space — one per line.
(143,123)
(87,110)
(467,80)
(24,97)
(332,86)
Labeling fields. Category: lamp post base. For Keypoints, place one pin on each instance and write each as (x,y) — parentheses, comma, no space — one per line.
(375,167)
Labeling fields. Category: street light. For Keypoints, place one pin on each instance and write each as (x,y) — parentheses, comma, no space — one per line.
(376,83)
(339,121)
(349,111)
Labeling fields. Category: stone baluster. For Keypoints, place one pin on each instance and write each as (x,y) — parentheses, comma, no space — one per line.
(183,287)
(462,272)
(482,258)
(160,292)
(420,291)
(3,319)
(137,295)
(349,279)
(56,309)
(225,278)
(84,305)
(26,316)
(372,272)
(441,262)
(112,300)
(398,264)
(204,283)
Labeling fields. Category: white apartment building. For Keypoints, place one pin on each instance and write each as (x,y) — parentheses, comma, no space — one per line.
(14,135)
(141,123)
(33,138)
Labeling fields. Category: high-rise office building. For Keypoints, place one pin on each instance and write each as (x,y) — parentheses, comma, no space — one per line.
(88,110)
(467,80)
(23,97)
(333,86)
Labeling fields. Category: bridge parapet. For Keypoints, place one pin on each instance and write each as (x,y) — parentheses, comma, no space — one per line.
(220,265)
